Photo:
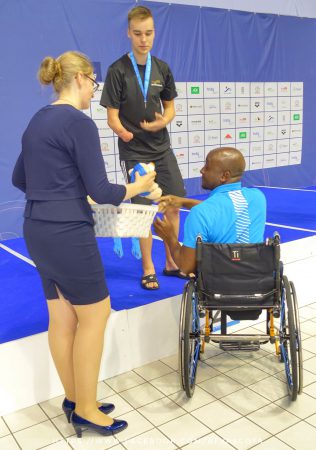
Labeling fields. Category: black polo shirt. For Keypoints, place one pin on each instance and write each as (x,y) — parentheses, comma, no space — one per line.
(122,91)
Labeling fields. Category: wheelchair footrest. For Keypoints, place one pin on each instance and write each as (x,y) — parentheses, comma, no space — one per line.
(243,346)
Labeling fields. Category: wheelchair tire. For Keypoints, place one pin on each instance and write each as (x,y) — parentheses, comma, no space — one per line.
(189,339)
(288,339)
(298,339)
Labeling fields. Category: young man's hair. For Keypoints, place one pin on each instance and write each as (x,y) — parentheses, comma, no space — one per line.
(139,13)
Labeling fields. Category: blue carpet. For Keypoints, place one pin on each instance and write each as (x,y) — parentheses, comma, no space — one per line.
(24,311)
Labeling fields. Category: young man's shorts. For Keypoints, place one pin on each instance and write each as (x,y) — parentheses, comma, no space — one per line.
(168,177)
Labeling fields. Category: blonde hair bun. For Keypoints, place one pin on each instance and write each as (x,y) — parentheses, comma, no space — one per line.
(49,70)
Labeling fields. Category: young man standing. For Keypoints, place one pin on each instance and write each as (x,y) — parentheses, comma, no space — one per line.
(135,87)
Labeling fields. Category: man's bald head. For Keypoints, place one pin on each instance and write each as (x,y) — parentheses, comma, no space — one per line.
(223,165)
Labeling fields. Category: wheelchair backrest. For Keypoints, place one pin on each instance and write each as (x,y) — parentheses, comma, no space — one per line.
(237,269)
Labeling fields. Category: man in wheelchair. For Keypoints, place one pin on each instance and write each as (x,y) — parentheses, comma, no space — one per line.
(237,273)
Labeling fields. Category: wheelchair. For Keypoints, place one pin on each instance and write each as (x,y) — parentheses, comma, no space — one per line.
(240,281)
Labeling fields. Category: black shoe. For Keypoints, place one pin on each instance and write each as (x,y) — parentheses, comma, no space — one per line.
(69,406)
(80,424)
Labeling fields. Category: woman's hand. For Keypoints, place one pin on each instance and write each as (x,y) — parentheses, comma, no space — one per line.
(146,183)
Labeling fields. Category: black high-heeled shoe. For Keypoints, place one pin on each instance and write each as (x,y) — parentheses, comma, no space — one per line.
(69,406)
(80,424)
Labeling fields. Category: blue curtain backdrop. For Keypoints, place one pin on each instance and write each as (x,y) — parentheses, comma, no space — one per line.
(200,44)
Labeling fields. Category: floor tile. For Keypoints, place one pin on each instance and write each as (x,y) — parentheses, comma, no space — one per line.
(243,434)
(250,356)
(271,388)
(269,364)
(125,381)
(184,430)
(245,401)
(104,390)
(301,436)
(62,425)
(60,445)
(273,419)
(216,415)
(210,441)
(200,398)
(210,351)
(153,370)
(308,377)
(303,407)
(310,390)
(161,411)
(307,355)
(52,407)
(37,436)
(247,374)
(141,395)
(168,384)
(8,443)
(309,327)
(310,365)
(171,361)
(205,372)
(224,362)
(25,418)
(4,430)
(310,344)
(311,420)
(307,312)
(91,441)
(220,386)
(137,424)
(151,440)
(272,443)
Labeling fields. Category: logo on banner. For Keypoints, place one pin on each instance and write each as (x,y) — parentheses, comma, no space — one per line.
(243,135)
(296,117)
(195,90)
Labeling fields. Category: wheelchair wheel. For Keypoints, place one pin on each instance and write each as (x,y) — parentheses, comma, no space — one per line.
(298,339)
(189,338)
(288,339)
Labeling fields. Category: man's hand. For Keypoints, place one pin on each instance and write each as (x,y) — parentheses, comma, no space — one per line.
(164,229)
(169,201)
(156,125)
(125,135)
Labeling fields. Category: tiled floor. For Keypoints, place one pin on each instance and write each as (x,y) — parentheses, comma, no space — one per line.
(240,402)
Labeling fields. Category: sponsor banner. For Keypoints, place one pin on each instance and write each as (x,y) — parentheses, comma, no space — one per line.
(264,120)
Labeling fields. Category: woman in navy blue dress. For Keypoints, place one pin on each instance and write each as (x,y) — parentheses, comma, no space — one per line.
(59,165)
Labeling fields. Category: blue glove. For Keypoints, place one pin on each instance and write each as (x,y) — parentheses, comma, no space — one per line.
(136,248)
(118,248)
(140,169)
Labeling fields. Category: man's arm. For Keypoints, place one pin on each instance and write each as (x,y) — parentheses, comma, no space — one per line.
(184,257)
(161,120)
(172,201)
(116,125)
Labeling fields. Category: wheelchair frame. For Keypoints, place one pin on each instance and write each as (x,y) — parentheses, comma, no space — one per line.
(286,337)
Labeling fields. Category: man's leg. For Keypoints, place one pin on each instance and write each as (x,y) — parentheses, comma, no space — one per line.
(173,216)
(148,265)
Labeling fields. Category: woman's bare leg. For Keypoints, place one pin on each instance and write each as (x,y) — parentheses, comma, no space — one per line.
(87,353)
(61,334)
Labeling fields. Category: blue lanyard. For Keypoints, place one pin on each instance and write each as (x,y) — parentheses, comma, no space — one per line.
(143,87)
